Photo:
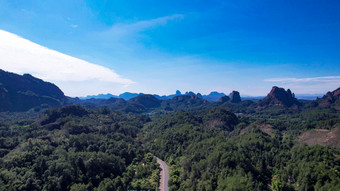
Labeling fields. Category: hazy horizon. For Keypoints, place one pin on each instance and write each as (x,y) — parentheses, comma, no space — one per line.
(91,47)
(183,92)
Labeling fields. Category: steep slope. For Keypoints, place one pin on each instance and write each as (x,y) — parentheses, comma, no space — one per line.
(279,96)
(331,99)
(21,93)
(235,97)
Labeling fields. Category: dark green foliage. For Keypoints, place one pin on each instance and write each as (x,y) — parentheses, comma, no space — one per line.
(86,150)
(147,101)
(208,147)
(312,168)
(214,150)
(219,118)
(21,93)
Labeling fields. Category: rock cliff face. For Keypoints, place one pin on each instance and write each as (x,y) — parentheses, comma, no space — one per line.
(235,97)
(330,99)
(23,92)
(279,96)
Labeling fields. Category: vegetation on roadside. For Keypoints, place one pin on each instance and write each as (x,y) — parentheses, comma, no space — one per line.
(208,148)
(215,150)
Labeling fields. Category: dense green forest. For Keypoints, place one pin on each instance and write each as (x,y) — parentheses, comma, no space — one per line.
(72,148)
(208,148)
(213,149)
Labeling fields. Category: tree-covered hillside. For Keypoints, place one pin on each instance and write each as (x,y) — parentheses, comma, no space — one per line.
(72,148)
(215,150)
(208,146)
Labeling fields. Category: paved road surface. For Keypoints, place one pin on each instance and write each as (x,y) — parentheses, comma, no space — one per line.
(163,186)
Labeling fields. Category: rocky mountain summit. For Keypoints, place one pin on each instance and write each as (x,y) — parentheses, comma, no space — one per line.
(330,99)
(279,96)
(24,92)
(235,97)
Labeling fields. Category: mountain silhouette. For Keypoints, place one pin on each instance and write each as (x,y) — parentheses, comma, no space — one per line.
(23,92)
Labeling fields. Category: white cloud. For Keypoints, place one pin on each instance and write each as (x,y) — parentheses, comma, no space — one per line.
(313,85)
(315,79)
(122,29)
(74,76)
(23,56)
(126,36)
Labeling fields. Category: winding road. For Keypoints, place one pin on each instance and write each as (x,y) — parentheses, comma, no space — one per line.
(163,186)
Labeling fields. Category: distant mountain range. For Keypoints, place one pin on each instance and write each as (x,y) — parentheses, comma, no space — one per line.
(126,96)
(212,97)
(25,92)
(277,97)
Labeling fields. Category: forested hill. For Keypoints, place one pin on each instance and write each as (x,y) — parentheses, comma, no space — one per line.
(24,92)
(215,150)
(276,98)
(278,143)
(72,148)
(75,148)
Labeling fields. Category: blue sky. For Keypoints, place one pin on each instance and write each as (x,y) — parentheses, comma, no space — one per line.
(201,46)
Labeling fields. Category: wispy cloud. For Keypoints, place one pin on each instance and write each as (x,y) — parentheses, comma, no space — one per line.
(23,56)
(126,36)
(314,79)
(311,85)
(124,40)
(120,29)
